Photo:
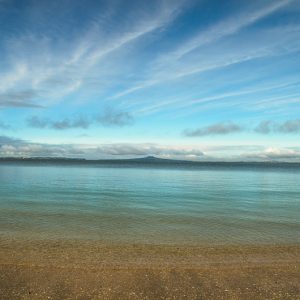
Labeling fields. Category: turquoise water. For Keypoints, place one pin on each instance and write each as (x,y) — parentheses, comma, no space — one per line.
(150,205)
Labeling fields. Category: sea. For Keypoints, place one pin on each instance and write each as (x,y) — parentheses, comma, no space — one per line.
(151,204)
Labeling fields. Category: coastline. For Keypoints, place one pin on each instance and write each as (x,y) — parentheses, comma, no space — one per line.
(149,162)
(74,269)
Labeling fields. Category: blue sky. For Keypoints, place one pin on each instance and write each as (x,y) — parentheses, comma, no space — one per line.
(200,80)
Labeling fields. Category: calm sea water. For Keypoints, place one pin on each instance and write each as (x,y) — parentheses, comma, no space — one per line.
(150,205)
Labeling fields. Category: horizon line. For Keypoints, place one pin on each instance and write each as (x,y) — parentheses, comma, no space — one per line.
(143,159)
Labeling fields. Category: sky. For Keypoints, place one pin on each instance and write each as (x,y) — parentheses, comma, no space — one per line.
(203,80)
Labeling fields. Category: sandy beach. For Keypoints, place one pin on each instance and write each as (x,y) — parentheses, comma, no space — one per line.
(65,269)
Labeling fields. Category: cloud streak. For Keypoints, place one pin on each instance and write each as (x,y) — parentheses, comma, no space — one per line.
(6,140)
(184,61)
(215,129)
(287,127)
(148,149)
(228,27)
(109,118)
(264,127)
(274,154)
(22,99)
(113,118)
(61,62)
(63,124)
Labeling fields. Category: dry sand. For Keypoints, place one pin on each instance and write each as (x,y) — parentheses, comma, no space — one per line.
(92,270)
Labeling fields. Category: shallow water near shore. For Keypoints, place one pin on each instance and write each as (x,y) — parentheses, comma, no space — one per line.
(150,205)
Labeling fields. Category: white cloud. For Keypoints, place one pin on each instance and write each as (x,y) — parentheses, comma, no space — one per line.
(276,154)
(192,58)
(20,148)
(58,66)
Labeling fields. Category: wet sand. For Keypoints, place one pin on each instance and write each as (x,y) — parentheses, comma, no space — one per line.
(92,270)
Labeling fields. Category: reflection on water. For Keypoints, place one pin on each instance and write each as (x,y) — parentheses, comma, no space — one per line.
(150,205)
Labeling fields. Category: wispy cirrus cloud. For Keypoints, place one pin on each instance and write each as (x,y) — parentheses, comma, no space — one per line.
(228,27)
(54,72)
(56,66)
(191,58)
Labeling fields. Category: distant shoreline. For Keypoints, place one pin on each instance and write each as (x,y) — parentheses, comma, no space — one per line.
(147,161)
